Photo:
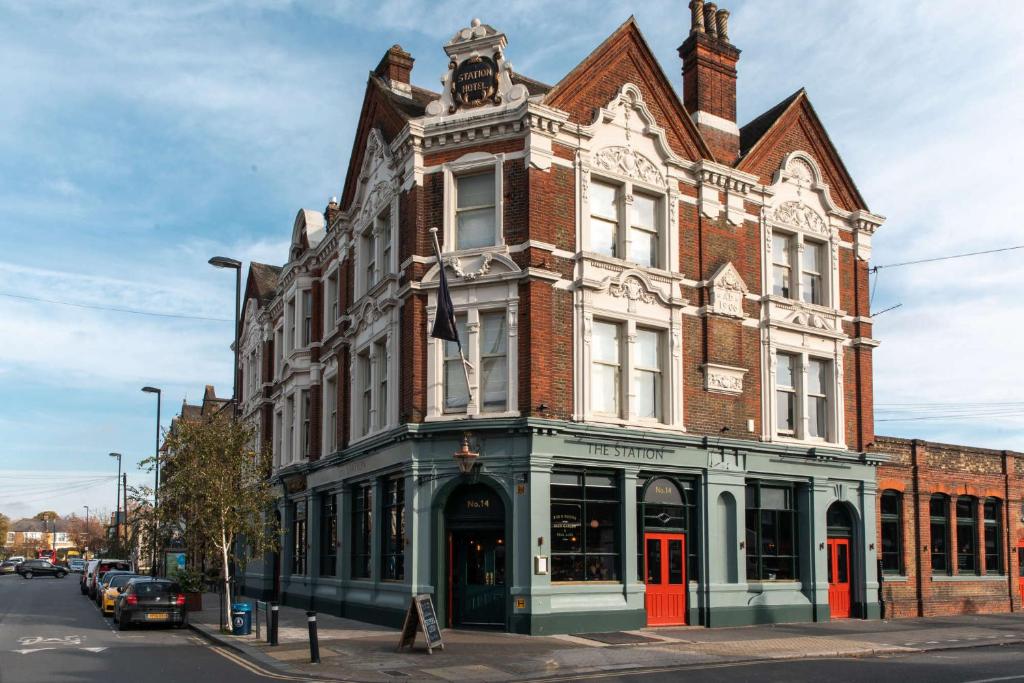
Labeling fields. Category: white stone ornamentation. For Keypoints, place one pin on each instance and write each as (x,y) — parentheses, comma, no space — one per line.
(797,215)
(727,291)
(628,162)
(455,263)
(632,289)
(723,379)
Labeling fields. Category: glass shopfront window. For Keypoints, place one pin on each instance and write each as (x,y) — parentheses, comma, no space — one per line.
(328,535)
(585,533)
(299,538)
(771,542)
(362,530)
(393,550)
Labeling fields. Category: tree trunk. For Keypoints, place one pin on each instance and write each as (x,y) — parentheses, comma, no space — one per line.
(227,574)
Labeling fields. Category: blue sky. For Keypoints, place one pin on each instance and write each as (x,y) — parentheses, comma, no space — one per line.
(136,142)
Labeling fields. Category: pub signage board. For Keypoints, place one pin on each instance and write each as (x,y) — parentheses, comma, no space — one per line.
(421,617)
(475,82)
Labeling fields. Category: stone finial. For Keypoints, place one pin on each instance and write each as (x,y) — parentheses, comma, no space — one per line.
(709,19)
(722,18)
(696,16)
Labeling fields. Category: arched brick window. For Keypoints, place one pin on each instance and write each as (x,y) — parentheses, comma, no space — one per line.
(891,504)
(967,535)
(993,536)
(939,526)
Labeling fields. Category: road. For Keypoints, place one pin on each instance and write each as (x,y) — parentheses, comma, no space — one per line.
(991,664)
(51,633)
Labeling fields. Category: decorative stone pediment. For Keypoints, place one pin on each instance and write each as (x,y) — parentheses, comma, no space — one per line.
(723,379)
(813,320)
(628,162)
(727,291)
(377,180)
(466,268)
(367,314)
(798,216)
(309,224)
(631,288)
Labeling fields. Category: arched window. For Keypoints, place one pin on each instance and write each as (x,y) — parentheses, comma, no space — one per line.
(891,505)
(967,535)
(993,536)
(939,515)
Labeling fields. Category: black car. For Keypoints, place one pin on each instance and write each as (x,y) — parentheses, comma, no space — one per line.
(150,601)
(30,568)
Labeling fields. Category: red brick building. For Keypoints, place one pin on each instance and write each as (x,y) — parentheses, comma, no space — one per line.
(666,323)
(950,528)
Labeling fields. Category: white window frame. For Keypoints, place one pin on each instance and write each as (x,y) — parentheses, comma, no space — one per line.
(833,404)
(367,418)
(472,164)
(626,190)
(628,364)
(329,401)
(278,428)
(305,339)
(332,299)
(305,423)
(289,324)
(797,247)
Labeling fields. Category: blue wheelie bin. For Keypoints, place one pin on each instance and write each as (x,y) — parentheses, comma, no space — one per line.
(241,619)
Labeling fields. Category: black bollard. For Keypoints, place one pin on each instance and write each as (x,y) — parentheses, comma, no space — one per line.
(272,629)
(314,644)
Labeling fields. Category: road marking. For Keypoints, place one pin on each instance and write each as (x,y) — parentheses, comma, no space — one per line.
(252,668)
(1001,678)
(31,650)
(64,640)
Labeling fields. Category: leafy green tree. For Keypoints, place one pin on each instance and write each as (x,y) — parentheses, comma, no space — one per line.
(5,526)
(214,484)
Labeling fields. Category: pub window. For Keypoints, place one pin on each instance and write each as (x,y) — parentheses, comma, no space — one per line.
(605,368)
(993,536)
(659,510)
(328,535)
(456,393)
(393,550)
(782,265)
(305,423)
(494,361)
(785,393)
(585,511)
(475,214)
(938,511)
(811,272)
(299,537)
(625,223)
(892,532)
(817,398)
(647,375)
(967,535)
(362,529)
(771,542)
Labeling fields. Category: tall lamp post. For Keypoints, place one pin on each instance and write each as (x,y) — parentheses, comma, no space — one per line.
(156,484)
(117,499)
(225,262)
(86,548)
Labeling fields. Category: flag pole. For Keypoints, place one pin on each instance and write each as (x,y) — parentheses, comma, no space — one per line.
(462,356)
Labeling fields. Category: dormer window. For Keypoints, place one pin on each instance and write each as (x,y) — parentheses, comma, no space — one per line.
(475,210)
(626,223)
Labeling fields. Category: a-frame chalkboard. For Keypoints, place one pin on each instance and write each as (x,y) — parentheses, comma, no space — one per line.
(421,616)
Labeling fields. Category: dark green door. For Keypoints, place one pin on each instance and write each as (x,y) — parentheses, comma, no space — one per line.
(478,578)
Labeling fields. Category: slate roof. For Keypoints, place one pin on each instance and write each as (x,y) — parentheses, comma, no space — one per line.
(751,133)
(264,279)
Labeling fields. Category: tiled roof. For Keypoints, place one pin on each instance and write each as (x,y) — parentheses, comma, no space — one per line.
(265,278)
(755,130)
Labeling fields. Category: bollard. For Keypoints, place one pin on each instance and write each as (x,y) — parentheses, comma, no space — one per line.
(272,629)
(314,644)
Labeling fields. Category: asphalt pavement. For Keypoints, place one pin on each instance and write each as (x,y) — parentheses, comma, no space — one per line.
(51,633)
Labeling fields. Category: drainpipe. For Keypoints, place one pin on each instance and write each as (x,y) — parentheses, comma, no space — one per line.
(1006,526)
(917,528)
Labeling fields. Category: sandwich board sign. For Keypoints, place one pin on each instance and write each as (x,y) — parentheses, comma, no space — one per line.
(421,617)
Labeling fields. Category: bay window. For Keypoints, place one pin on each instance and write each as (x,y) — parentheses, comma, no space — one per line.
(475,210)
(771,541)
(585,533)
(626,223)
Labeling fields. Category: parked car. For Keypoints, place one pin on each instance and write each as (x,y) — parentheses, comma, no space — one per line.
(147,600)
(104,581)
(83,581)
(31,568)
(76,564)
(8,567)
(100,568)
(16,559)
(114,583)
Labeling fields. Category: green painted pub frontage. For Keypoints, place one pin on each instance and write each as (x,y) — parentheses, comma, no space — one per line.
(561,528)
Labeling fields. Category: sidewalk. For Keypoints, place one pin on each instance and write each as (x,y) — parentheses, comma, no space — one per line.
(356,651)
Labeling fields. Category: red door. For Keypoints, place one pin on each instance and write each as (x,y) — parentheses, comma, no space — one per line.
(1020,567)
(839,593)
(665,562)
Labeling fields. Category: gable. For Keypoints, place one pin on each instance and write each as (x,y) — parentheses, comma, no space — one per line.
(799,128)
(623,58)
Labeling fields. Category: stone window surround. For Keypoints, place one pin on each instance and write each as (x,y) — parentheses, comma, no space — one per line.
(626,187)
(377,426)
(328,441)
(333,273)
(834,421)
(467,165)
(359,232)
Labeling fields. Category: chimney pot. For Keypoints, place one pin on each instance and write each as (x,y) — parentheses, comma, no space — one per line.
(709,19)
(696,16)
(396,67)
(723,24)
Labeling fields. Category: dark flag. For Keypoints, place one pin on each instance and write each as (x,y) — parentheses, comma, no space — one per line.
(444,321)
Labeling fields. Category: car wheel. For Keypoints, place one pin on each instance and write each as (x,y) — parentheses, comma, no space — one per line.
(27,575)
(61,575)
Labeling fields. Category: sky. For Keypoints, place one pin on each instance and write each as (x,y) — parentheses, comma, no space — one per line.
(137,140)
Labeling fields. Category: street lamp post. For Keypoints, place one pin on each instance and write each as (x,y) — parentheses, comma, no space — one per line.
(225,262)
(156,484)
(117,499)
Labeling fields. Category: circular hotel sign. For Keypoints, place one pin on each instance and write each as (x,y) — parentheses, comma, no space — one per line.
(475,82)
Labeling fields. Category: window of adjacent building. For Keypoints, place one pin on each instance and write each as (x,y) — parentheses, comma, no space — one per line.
(771,542)
(475,214)
(362,530)
(993,536)
(938,510)
(817,398)
(605,368)
(369,251)
(330,403)
(785,393)
(812,268)
(384,243)
(585,533)
(647,375)
(493,361)
(278,439)
(279,351)
(331,288)
(290,417)
(380,358)
(393,542)
(328,535)
(365,373)
(299,538)
(306,411)
(892,532)
(289,321)
(307,318)
(782,264)
(967,535)
(456,391)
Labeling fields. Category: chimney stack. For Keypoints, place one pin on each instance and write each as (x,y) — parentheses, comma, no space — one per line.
(709,79)
(396,68)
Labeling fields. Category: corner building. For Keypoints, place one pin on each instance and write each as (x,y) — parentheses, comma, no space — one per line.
(665,319)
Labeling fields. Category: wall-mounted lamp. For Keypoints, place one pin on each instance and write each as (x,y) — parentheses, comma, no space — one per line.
(465,457)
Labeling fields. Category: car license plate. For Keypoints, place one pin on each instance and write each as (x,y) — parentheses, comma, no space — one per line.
(157,616)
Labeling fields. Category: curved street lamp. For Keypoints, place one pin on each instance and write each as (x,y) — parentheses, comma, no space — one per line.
(156,482)
(225,262)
